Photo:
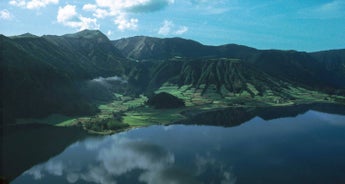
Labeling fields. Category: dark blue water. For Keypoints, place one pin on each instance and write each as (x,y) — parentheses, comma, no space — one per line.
(309,148)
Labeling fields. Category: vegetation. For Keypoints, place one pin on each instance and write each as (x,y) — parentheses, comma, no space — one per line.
(42,75)
(101,125)
(51,79)
(165,100)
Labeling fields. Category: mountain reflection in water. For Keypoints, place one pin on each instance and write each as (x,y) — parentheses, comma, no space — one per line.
(234,116)
(113,157)
(308,148)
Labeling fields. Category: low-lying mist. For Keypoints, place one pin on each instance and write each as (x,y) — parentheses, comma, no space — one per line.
(103,88)
(108,80)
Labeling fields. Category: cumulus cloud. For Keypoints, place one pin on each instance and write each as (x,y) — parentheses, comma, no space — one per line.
(119,10)
(32,4)
(5,15)
(97,12)
(68,16)
(169,28)
(123,23)
(89,7)
(66,13)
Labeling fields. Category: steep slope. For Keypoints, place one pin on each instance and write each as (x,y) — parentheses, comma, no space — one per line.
(90,51)
(225,76)
(42,75)
(148,48)
(300,68)
(294,67)
(334,62)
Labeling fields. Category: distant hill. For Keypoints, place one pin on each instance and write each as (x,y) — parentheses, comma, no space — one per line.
(148,48)
(292,66)
(334,62)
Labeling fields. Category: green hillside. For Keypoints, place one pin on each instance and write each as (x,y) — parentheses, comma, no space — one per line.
(300,68)
(43,75)
(85,79)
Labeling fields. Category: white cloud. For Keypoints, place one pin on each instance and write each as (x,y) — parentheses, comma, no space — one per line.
(101,13)
(87,23)
(109,33)
(120,9)
(168,28)
(19,3)
(123,23)
(97,12)
(68,16)
(181,30)
(89,7)
(32,4)
(66,13)
(5,15)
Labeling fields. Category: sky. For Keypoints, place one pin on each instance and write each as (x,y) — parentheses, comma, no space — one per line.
(304,25)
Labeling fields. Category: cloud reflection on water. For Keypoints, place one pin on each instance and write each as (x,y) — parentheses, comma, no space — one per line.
(208,165)
(115,156)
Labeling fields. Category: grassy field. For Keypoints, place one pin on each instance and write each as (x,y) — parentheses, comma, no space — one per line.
(127,112)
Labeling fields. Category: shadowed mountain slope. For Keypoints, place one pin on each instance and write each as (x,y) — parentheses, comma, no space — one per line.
(334,62)
(221,75)
(42,75)
(291,66)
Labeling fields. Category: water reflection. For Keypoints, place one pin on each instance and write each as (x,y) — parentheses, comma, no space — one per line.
(207,166)
(234,116)
(114,157)
(26,145)
(308,148)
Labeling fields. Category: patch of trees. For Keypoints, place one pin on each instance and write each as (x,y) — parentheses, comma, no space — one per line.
(100,125)
(165,100)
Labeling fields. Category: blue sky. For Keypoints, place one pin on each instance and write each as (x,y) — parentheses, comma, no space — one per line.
(308,25)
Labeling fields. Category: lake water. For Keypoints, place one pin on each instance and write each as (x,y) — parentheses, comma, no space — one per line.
(308,148)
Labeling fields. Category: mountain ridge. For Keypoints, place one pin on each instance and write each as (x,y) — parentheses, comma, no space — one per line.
(46,74)
(300,67)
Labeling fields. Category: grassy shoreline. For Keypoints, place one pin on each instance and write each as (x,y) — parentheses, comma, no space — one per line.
(125,112)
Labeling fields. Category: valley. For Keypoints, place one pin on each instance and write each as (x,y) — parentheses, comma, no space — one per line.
(126,112)
(86,80)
